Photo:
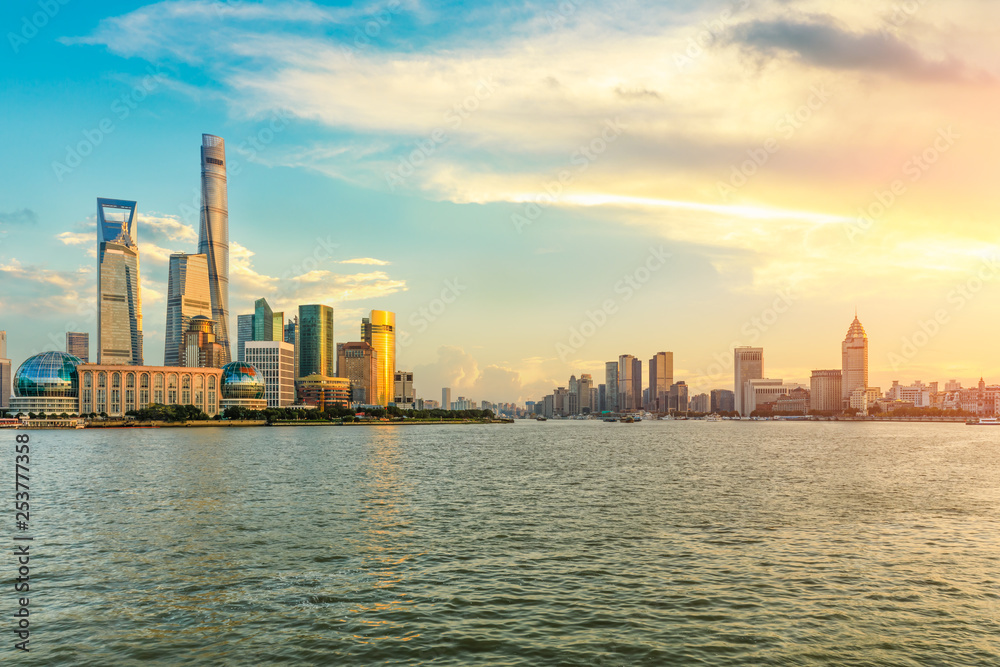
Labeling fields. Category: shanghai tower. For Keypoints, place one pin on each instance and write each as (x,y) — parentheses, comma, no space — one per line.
(213,239)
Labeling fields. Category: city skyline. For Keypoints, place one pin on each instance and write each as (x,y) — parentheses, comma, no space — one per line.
(808,223)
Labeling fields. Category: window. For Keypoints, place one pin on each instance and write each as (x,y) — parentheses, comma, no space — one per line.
(116,380)
(144,381)
(102,379)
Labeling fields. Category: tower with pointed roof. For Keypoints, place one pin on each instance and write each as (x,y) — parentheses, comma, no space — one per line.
(855,360)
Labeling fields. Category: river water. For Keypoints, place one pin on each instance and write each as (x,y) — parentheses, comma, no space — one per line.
(556,543)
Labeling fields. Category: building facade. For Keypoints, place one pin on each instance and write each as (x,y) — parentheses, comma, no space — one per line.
(213,237)
(358,362)
(677,400)
(187,297)
(5,373)
(324,392)
(825,392)
(275,361)
(116,390)
(379,331)
(446,399)
(748,364)
(629,383)
(119,297)
(77,345)
(854,371)
(403,388)
(263,321)
(314,346)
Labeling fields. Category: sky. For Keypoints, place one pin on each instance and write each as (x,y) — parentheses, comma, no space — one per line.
(535,188)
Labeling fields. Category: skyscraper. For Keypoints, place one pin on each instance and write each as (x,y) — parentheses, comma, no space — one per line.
(584,386)
(244,334)
(611,386)
(629,383)
(263,321)
(855,360)
(290,333)
(213,238)
(723,400)
(315,349)
(446,399)
(826,393)
(279,327)
(661,376)
(274,360)
(119,304)
(379,331)
(200,349)
(77,344)
(187,297)
(748,364)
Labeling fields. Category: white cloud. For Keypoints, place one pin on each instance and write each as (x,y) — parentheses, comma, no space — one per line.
(167,227)
(366,260)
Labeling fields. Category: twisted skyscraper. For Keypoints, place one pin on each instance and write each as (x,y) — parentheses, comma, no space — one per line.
(213,239)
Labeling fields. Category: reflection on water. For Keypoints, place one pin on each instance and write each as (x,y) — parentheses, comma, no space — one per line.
(530,544)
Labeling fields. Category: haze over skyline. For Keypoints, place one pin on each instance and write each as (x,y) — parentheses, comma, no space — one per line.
(720,173)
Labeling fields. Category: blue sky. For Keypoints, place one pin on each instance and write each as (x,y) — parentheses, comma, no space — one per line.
(540,156)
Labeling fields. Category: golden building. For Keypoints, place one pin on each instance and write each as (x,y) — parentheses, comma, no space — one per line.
(379,331)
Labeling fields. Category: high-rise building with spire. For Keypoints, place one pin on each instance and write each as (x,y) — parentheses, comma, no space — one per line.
(119,302)
(854,374)
(213,237)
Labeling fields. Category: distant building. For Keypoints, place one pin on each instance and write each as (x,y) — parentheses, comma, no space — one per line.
(116,390)
(661,376)
(358,362)
(278,327)
(213,235)
(677,399)
(748,364)
(826,394)
(611,386)
(446,399)
(585,386)
(723,400)
(200,347)
(602,398)
(77,344)
(291,330)
(324,392)
(759,391)
(187,297)
(855,360)
(794,402)
(5,373)
(275,360)
(244,333)
(403,388)
(701,403)
(629,383)
(918,393)
(862,397)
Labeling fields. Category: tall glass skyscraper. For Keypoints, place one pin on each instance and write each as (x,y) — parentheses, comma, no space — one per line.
(187,296)
(244,334)
(315,349)
(611,386)
(213,239)
(119,305)
(263,321)
(379,331)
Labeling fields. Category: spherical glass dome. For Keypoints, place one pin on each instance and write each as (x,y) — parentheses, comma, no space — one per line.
(241,380)
(49,374)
